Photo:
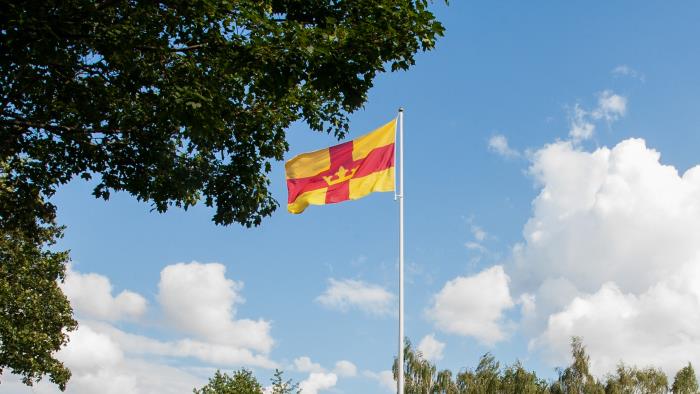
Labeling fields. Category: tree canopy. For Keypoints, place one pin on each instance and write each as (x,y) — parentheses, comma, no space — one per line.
(685,381)
(244,382)
(178,102)
(175,102)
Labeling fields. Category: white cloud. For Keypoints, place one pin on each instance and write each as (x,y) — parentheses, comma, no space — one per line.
(88,348)
(106,359)
(431,348)
(611,107)
(499,144)
(317,382)
(91,297)
(627,71)
(200,300)
(607,215)
(473,305)
(581,128)
(304,364)
(348,293)
(611,253)
(345,368)
(657,327)
(384,378)
(214,353)
(99,365)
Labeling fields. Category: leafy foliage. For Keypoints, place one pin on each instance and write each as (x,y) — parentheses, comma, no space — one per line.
(489,378)
(420,375)
(35,315)
(685,381)
(243,382)
(577,379)
(630,380)
(281,386)
(181,101)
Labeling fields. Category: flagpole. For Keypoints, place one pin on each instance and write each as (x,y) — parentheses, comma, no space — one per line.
(400,196)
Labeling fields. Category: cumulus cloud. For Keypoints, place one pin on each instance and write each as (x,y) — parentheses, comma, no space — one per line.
(345,368)
(106,359)
(88,348)
(611,253)
(431,348)
(317,382)
(656,327)
(348,293)
(91,297)
(609,215)
(304,364)
(499,144)
(99,365)
(199,299)
(473,305)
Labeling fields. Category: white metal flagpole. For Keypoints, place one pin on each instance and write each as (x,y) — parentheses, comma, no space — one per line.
(400,196)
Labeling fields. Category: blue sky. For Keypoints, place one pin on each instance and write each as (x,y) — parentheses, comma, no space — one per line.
(520,230)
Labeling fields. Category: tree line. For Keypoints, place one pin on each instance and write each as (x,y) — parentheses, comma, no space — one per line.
(423,377)
(489,377)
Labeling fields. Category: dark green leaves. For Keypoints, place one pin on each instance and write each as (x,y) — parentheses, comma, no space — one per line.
(181,100)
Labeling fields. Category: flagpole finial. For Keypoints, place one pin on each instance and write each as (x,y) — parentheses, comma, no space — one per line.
(400,109)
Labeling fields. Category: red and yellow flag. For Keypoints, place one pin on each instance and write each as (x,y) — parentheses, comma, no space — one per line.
(343,172)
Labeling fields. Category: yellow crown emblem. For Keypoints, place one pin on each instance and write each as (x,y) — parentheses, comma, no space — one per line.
(341,176)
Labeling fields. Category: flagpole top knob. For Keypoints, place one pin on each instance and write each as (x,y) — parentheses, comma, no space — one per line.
(400,109)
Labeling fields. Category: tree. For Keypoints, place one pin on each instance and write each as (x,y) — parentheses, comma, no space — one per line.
(35,315)
(242,382)
(630,380)
(576,378)
(516,380)
(623,382)
(175,102)
(281,386)
(485,379)
(651,381)
(685,381)
(421,376)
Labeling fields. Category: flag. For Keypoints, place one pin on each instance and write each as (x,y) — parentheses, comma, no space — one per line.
(342,172)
